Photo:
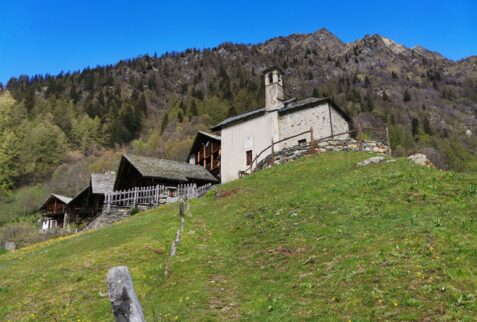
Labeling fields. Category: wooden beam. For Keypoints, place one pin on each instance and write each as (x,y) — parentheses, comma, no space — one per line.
(212,156)
(388,141)
(273,155)
(312,141)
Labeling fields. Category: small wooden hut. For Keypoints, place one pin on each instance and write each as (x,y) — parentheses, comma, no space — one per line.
(138,171)
(53,211)
(206,151)
(89,202)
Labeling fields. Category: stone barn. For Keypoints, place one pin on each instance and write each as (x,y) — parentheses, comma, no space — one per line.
(244,136)
(139,171)
(53,211)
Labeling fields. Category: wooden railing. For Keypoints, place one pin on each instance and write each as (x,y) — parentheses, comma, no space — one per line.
(152,196)
(313,143)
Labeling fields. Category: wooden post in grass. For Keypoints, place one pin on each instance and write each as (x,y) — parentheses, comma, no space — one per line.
(360,137)
(388,142)
(312,142)
(273,155)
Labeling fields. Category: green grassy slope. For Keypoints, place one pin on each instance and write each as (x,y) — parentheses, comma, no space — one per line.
(318,238)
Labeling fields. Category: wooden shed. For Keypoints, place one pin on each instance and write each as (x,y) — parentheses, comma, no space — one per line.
(89,202)
(53,211)
(206,152)
(139,171)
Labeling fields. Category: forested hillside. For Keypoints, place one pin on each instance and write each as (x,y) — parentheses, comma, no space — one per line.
(154,105)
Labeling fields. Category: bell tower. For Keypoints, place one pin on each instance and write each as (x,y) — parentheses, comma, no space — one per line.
(273,88)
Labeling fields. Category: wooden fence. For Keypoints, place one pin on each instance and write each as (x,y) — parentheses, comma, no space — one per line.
(359,135)
(153,195)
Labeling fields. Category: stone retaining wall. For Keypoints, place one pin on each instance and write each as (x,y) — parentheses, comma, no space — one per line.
(295,152)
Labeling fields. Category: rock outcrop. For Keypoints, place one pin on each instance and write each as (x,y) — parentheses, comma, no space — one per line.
(376,159)
(420,159)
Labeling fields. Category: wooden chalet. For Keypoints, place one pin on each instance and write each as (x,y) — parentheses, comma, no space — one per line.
(139,171)
(53,211)
(89,202)
(206,152)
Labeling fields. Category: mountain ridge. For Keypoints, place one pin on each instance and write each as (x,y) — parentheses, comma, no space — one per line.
(153,105)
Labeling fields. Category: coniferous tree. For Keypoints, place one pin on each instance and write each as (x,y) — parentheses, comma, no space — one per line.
(143,105)
(426,126)
(9,161)
(415,126)
(164,123)
(193,108)
(316,92)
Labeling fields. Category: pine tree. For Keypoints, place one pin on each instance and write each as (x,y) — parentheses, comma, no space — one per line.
(193,108)
(151,83)
(142,106)
(9,161)
(316,92)
(415,126)
(232,111)
(164,123)
(180,117)
(406,96)
(426,126)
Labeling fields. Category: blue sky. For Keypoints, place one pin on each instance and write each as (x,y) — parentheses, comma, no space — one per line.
(38,37)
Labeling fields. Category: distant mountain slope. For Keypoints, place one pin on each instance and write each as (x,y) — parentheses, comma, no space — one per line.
(155,104)
(315,239)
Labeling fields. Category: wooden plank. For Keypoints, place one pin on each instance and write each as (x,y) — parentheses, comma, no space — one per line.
(388,141)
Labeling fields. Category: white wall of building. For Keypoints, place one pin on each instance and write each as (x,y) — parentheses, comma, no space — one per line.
(256,134)
(340,124)
(255,131)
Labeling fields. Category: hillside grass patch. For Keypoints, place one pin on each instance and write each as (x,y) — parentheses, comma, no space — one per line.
(315,239)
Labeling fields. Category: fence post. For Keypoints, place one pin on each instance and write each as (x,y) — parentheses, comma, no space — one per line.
(360,137)
(312,141)
(388,142)
(108,201)
(135,197)
(273,155)
(156,196)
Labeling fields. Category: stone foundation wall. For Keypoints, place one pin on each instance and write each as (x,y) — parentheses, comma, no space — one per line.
(107,218)
(295,152)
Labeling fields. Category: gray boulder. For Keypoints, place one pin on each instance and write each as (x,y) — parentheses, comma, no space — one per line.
(420,159)
(370,161)
(126,307)
(10,246)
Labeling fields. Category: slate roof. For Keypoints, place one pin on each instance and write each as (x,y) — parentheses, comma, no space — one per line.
(310,102)
(102,183)
(290,105)
(64,199)
(167,169)
(210,135)
(239,117)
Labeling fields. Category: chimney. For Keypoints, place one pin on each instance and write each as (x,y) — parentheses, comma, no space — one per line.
(273,88)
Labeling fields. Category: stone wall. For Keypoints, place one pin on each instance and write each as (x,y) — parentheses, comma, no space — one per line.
(107,218)
(297,151)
